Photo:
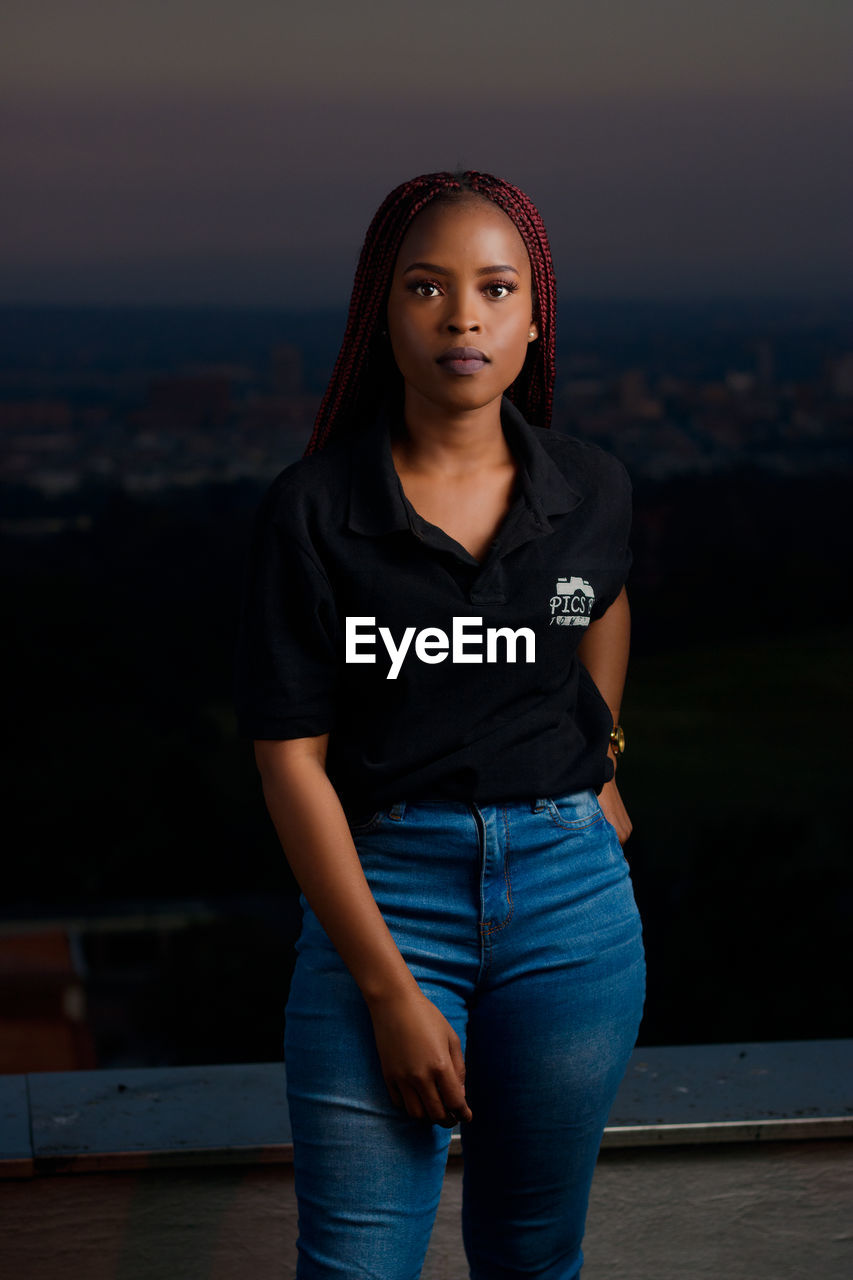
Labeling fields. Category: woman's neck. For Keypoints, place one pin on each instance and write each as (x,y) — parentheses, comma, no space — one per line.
(431,440)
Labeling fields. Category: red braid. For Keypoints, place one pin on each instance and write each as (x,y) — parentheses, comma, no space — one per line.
(365,368)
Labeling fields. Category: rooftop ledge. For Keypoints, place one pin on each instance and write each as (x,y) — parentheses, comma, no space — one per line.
(89,1121)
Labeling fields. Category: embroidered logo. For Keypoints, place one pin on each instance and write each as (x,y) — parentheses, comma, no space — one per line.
(572,604)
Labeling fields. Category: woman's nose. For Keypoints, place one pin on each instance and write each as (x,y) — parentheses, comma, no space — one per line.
(462,315)
(463,322)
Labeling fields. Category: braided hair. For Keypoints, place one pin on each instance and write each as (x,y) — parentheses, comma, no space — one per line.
(365,368)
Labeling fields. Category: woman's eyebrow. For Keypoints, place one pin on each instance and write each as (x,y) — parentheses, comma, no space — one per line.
(442,271)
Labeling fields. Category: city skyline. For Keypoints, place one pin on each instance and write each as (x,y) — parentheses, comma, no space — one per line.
(197,153)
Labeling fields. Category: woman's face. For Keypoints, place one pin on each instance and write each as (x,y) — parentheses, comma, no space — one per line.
(460,309)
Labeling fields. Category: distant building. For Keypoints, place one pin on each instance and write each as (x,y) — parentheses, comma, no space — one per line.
(765,365)
(841,376)
(288,370)
(17,415)
(635,400)
(192,400)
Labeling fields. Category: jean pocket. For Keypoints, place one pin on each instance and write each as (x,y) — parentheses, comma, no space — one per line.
(362,824)
(575,812)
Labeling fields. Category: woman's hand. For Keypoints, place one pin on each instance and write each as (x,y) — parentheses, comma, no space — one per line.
(421,1058)
(603,650)
(420,1052)
(614,810)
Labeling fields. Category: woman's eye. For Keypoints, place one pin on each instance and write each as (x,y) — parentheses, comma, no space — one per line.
(432,289)
(501,289)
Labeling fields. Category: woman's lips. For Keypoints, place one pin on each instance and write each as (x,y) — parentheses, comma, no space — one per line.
(463,360)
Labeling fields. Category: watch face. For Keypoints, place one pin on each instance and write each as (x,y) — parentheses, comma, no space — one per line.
(617,738)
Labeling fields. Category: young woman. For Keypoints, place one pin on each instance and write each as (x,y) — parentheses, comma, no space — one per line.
(432,660)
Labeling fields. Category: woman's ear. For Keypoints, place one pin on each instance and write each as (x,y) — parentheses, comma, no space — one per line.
(533,332)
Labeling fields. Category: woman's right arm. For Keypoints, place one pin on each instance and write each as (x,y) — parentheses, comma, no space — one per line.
(420,1052)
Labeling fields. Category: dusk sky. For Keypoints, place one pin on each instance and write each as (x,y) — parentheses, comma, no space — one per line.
(208,151)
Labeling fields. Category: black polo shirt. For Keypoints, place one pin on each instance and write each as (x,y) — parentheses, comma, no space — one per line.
(435,675)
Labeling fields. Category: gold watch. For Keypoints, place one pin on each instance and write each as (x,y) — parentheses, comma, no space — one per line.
(617,740)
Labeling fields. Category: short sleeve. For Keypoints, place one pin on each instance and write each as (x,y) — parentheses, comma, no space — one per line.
(286,652)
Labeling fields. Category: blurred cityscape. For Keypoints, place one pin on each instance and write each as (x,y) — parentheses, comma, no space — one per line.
(148,916)
(149,401)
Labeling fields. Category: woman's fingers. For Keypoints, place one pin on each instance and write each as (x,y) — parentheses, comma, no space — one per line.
(614,810)
(394,1093)
(457,1059)
(412,1102)
(443,1093)
(454,1094)
(439,1098)
(421,1060)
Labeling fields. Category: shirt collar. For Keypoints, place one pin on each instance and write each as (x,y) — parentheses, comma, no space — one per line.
(378,505)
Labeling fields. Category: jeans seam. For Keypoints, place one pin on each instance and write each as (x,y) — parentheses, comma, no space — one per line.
(483,928)
(496,928)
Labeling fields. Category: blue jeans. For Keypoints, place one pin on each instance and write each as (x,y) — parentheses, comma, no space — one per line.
(518,921)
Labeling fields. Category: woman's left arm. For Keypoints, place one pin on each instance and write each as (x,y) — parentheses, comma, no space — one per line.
(604,653)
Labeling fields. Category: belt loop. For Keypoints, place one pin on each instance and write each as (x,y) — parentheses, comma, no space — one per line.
(538,805)
(397,811)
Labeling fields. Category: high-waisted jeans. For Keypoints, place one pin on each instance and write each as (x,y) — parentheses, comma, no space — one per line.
(518,921)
